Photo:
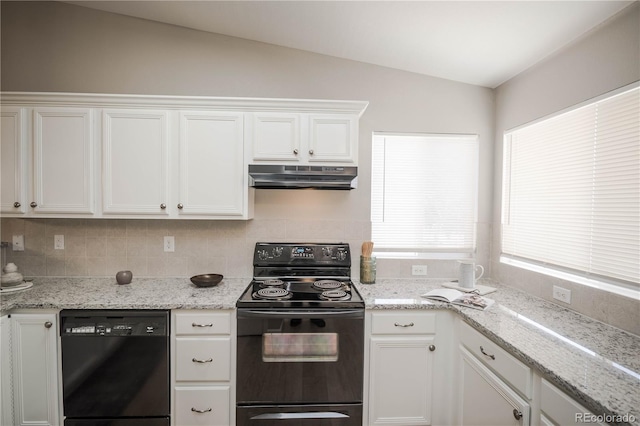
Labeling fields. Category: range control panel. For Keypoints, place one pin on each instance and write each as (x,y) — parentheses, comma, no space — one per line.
(295,254)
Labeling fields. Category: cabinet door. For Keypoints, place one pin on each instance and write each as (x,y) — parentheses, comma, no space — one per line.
(63,161)
(135,162)
(275,137)
(212,174)
(487,400)
(35,369)
(13,156)
(333,138)
(6,398)
(400,380)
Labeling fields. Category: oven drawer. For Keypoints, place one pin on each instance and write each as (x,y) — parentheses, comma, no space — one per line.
(410,322)
(202,323)
(202,405)
(203,359)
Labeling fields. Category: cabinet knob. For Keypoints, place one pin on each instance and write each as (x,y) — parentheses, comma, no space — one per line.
(295,151)
(195,410)
(34,204)
(432,348)
(48,324)
(163,206)
(180,206)
(310,152)
(16,204)
(517,414)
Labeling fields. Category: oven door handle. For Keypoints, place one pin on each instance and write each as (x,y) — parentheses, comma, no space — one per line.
(300,416)
(342,313)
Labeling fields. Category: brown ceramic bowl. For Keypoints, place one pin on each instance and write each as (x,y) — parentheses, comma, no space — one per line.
(206,280)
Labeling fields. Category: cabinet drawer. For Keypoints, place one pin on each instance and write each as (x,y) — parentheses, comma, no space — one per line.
(203,323)
(410,322)
(496,358)
(202,405)
(203,359)
(559,407)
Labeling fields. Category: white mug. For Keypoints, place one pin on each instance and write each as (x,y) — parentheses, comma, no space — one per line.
(467,277)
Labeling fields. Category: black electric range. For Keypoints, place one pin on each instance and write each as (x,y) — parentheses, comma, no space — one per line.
(301,275)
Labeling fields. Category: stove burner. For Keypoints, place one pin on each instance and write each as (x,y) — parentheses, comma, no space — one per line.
(327,284)
(272,283)
(272,293)
(334,295)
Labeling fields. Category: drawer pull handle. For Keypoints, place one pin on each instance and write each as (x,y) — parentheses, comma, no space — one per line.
(195,410)
(201,325)
(404,325)
(493,357)
(202,361)
(517,414)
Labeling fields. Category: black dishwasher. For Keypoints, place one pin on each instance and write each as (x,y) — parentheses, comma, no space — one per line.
(115,367)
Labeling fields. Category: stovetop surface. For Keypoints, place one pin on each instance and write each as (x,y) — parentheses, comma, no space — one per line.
(301,292)
(286,276)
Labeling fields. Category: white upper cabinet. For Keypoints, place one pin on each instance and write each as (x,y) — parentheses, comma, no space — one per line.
(135,161)
(167,157)
(276,137)
(304,138)
(63,161)
(51,170)
(333,138)
(212,173)
(13,156)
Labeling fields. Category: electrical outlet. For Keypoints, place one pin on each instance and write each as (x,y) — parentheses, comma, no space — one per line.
(18,243)
(419,270)
(169,244)
(58,242)
(562,294)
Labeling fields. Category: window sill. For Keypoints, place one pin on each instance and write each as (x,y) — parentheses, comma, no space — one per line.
(420,255)
(589,282)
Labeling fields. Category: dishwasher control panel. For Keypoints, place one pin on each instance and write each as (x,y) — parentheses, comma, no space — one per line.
(113,323)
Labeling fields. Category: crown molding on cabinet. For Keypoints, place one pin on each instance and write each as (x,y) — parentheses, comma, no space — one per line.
(171,102)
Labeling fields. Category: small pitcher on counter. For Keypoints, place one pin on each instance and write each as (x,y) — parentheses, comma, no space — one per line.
(467,277)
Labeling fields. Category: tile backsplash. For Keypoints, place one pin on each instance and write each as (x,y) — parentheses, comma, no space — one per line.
(103,247)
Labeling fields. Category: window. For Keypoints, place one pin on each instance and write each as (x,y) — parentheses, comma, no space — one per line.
(571,192)
(424,195)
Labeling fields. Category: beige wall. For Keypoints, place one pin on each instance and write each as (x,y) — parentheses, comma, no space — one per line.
(601,61)
(66,48)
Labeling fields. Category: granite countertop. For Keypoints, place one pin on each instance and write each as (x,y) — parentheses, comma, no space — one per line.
(598,365)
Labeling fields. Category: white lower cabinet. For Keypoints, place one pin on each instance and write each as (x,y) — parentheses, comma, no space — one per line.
(486,400)
(34,342)
(495,388)
(203,369)
(557,408)
(6,398)
(401,361)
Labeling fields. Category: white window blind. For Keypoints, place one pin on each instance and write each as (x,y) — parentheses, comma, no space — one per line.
(424,193)
(571,195)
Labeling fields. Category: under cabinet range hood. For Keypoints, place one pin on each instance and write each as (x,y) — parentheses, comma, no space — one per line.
(267,176)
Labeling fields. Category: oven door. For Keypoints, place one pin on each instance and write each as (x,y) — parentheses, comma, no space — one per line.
(300,356)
